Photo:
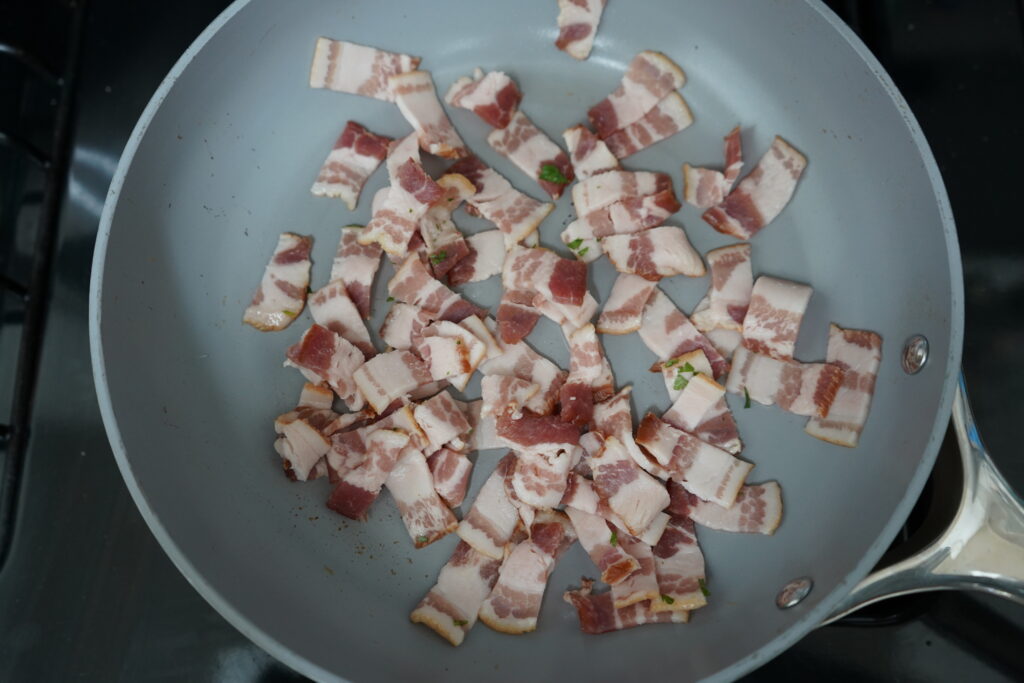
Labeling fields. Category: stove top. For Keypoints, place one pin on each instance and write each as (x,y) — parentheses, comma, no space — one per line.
(86,591)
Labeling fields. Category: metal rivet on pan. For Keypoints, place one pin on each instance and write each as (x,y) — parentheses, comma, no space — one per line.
(793,593)
(915,354)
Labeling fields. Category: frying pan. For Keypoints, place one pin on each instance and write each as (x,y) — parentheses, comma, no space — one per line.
(221,162)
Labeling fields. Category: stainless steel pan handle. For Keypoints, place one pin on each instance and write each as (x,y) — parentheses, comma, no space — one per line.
(983,547)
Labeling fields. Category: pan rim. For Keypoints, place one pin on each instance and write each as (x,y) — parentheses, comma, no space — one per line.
(296,661)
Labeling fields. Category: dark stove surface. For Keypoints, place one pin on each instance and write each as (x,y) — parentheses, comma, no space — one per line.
(88,594)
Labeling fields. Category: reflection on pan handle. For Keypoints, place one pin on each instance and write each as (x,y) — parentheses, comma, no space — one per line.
(983,548)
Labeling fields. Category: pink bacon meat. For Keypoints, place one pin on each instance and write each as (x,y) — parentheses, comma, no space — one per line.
(650,77)
(517,215)
(505,394)
(859,354)
(632,494)
(355,493)
(491,521)
(356,155)
(519,360)
(642,584)
(358,69)
(526,146)
(704,187)
(413,284)
(668,117)
(445,246)
(390,376)
(425,515)
(698,397)
(494,97)
(757,510)
(589,154)
(403,326)
(485,256)
(441,420)
(452,352)
(537,433)
(799,388)
(590,377)
(602,544)
(416,98)
(539,479)
(282,292)
(450,471)
(718,426)
(581,495)
(598,614)
(654,254)
(668,333)
(450,608)
(324,356)
(624,309)
(577,26)
(331,307)
(728,297)
(762,195)
(679,565)
(772,321)
(356,265)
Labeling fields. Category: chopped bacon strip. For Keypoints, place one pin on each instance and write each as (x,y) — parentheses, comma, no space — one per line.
(515,600)
(800,388)
(403,326)
(859,354)
(490,522)
(450,471)
(679,565)
(581,495)
(425,515)
(598,614)
(762,195)
(724,341)
(539,479)
(517,215)
(316,396)
(577,26)
(773,318)
(654,254)
(519,360)
(494,97)
(358,69)
(331,307)
(602,544)
(533,272)
(484,258)
(728,297)
(539,433)
(612,187)
(479,329)
(451,606)
(505,394)
(355,493)
(614,417)
(441,420)
(389,376)
(356,265)
(650,77)
(414,284)
(304,438)
(571,318)
(444,244)
(717,427)
(668,333)
(416,98)
(590,377)
(699,395)
(642,584)
(704,187)
(356,155)
(589,154)
(703,469)
(516,317)
(282,292)
(324,356)
(757,510)
(579,237)
(634,495)
(526,146)
(349,445)
(668,117)
(452,351)
(483,433)
(624,309)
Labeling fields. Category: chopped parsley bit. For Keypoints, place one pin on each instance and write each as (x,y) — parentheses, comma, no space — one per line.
(551,174)
(680,382)
(438,257)
(422,539)
(670,363)
(583,251)
(458,341)
(575,244)
(614,540)
(290,314)
(667,599)
(309,290)
(459,622)
(703,587)
(410,211)
(746,398)
(355,225)
(689,368)
(452,199)
(390,299)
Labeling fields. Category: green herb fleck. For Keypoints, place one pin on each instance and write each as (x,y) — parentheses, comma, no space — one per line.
(438,257)
(575,244)
(410,211)
(689,368)
(703,587)
(309,290)
(390,299)
(614,540)
(451,199)
(667,599)
(550,173)
(422,539)
(458,341)
(670,363)
(290,314)
(459,622)
(583,251)
(680,382)
(746,399)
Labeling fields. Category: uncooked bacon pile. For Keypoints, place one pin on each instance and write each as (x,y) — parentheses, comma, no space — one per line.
(576,469)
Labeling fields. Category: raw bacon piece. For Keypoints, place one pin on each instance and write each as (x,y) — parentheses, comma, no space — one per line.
(624,309)
(668,333)
(773,318)
(642,584)
(356,265)
(668,117)
(654,254)
(515,600)
(505,394)
(452,352)
(579,237)
(517,215)
(403,326)
(569,317)
(577,26)
(526,146)
(414,284)
(389,376)
(704,187)
(331,307)
(416,98)
(632,214)
(698,396)
(441,420)
(590,377)
(479,329)
(542,271)
(581,495)
(482,435)
(356,155)
(704,470)
(762,195)
(494,97)
(602,544)
(358,69)
(800,388)
(601,191)
(491,521)
(635,496)
(451,606)
(316,396)
(484,258)
(349,447)
(598,614)
(757,510)
(444,243)
(650,77)
(304,438)
(728,297)
(537,433)
(426,516)
(519,360)
(516,318)
(450,471)
(539,478)
(589,154)
(614,417)
(679,564)
(282,292)
(858,353)
(324,356)
(355,493)
(717,427)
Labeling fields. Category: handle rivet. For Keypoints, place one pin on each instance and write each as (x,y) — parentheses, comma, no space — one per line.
(915,354)
(794,592)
